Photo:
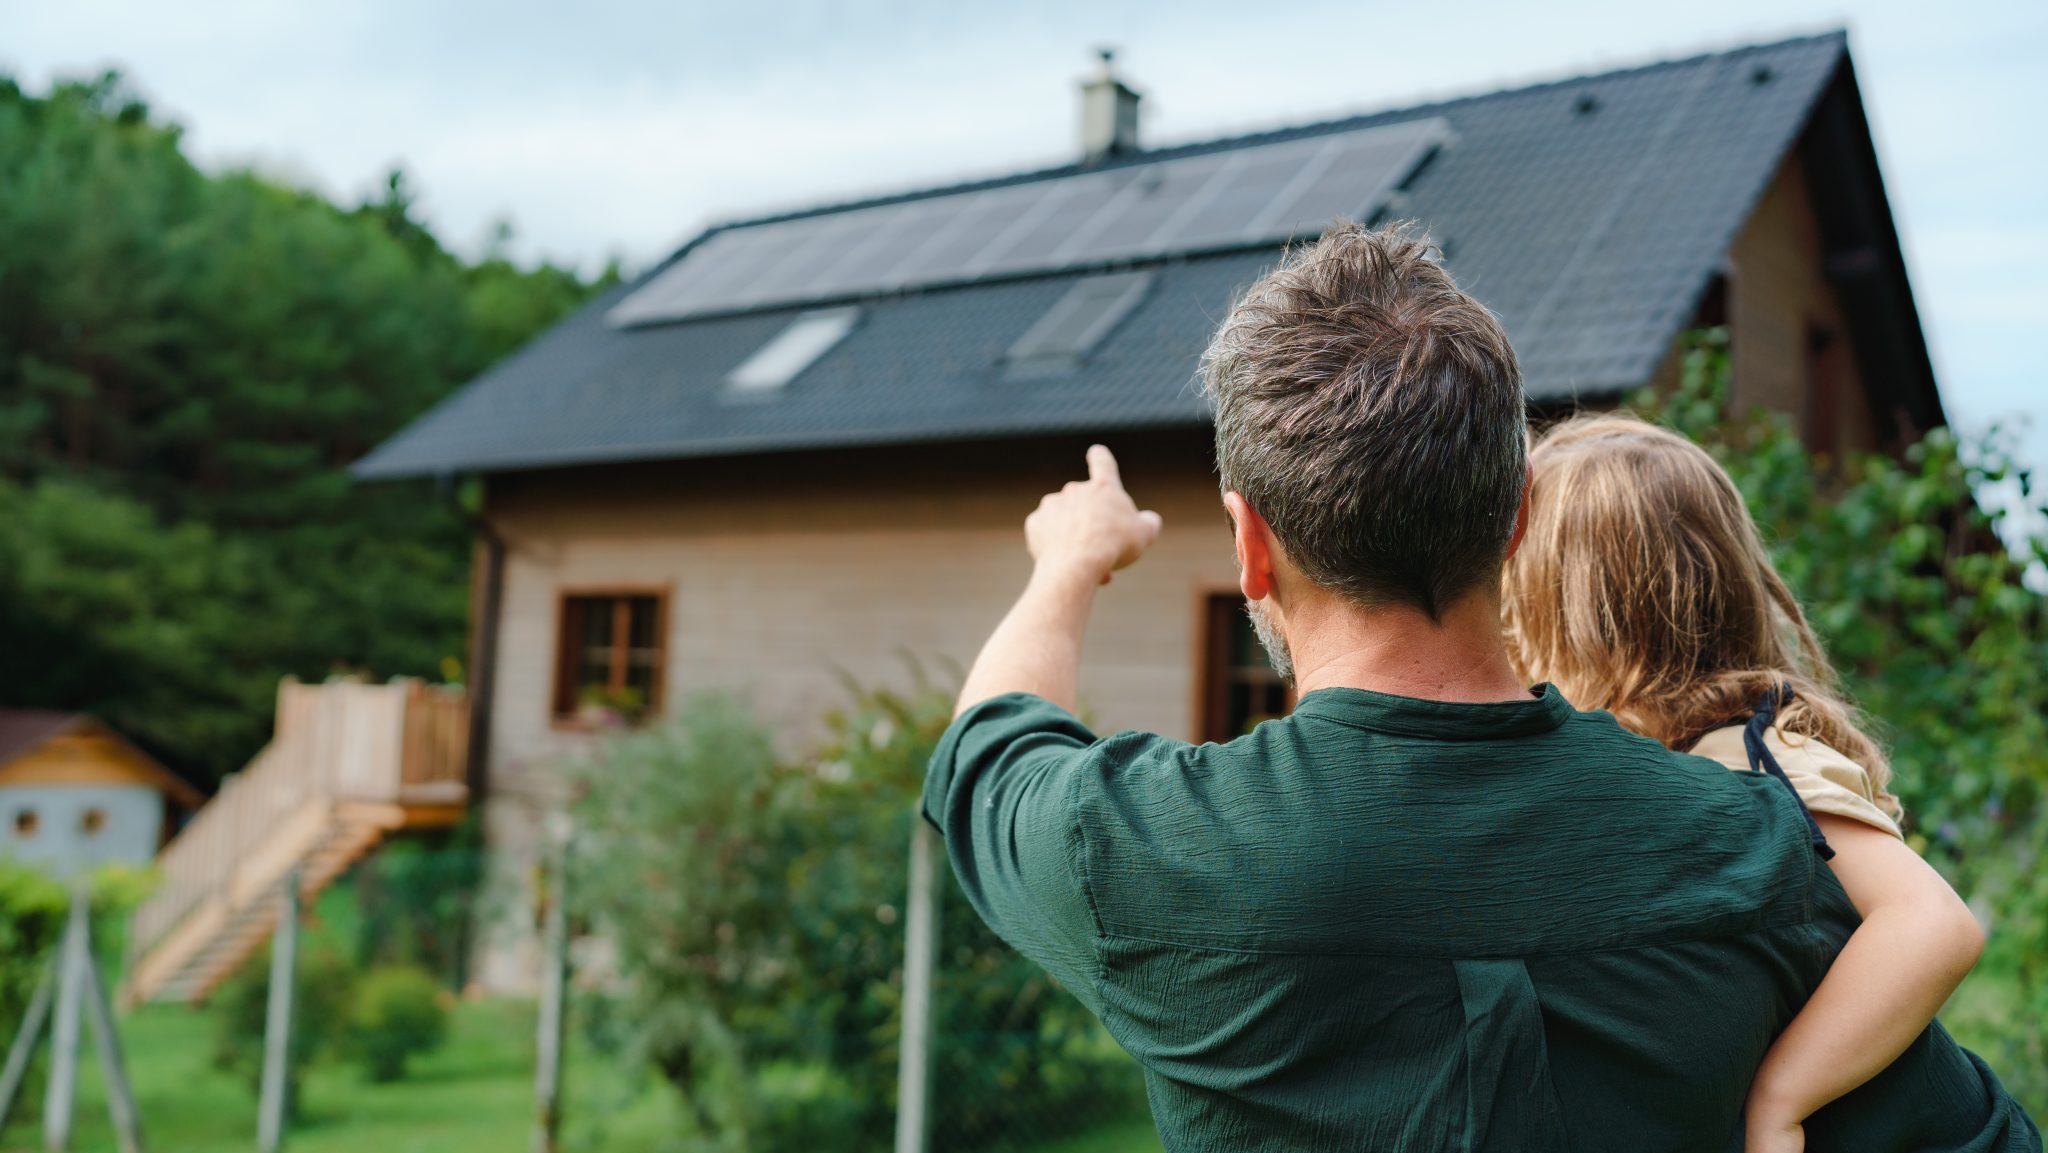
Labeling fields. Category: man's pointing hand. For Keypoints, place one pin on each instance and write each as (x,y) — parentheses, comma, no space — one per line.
(1091,526)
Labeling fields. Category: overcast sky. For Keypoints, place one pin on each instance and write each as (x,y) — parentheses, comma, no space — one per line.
(617,127)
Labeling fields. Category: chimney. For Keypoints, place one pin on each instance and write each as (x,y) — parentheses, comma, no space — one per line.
(1109,113)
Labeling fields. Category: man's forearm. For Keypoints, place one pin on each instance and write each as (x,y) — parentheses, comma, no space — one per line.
(1037,648)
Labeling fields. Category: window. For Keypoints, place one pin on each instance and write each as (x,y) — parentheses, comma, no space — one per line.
(1075,324)
(608,663)
(790,351)
(25,823)
(92,821)
(1239,686)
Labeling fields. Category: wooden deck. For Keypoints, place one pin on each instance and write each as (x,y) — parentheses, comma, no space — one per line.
(349,764)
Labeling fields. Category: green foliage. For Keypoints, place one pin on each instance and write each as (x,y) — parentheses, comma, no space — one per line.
(322,995)
(1926,612)
(415,899)
(398,1013)
(32,912)
(188,362)
(107,609)
(756,906)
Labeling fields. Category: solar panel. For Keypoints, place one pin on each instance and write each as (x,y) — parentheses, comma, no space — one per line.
(1345,184)
(983,215)
(1126,225)
(1235,198)
(895,227)
(1226,217)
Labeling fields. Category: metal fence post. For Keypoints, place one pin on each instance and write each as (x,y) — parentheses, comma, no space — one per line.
(547,1073)
(277,1027)
(24,1048)
(920,947)
(73,957)
(120,1095)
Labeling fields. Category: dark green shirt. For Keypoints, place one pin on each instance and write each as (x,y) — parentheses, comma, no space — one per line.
(1393,924)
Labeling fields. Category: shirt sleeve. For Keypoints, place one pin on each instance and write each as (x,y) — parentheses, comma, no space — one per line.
(1001,791)
(1825,780)
(1831,783)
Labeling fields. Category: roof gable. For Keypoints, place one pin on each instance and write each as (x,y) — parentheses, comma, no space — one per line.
(23,732)
(1589,214)
(24,729)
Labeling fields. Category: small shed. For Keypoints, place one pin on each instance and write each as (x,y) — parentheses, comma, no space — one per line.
(75,795)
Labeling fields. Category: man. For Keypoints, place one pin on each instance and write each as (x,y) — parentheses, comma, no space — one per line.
(1433,908)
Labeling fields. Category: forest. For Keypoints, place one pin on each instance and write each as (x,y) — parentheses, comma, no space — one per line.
(189,360)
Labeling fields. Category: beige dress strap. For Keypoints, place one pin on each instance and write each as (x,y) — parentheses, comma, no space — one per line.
(1825,779)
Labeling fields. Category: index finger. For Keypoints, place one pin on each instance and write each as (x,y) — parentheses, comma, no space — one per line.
(1102,465)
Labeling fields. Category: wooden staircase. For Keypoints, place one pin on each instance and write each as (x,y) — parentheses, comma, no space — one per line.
(348,764)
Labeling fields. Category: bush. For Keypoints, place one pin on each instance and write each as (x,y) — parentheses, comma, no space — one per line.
(756,908)
(32,915)
(1926,611)
(398,1014)
(34,909)
(415,898)
(323,991)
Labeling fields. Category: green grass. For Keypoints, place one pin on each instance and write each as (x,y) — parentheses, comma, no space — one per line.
(475,1095)
(1134,1136)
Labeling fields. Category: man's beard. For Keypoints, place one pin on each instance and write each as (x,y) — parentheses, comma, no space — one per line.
(1271,638)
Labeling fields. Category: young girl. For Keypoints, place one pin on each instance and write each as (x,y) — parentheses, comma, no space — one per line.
(1641,588)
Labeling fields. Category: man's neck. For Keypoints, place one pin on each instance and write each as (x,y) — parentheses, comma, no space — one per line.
(1400,650)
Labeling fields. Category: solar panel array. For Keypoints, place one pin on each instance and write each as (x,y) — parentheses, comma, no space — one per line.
(1239,198)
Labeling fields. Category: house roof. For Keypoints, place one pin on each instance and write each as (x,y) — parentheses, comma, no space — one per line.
(22,730)
(1590,214)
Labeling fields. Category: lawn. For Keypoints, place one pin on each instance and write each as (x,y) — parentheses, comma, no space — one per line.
(473,1096)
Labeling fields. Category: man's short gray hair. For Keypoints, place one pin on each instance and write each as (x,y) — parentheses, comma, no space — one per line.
(1372,412)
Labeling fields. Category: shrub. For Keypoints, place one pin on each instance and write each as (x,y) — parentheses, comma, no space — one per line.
(32,914)
(34,909)
(324,989)
(755,905)
(415,898)
(398,1014)
(1925,608)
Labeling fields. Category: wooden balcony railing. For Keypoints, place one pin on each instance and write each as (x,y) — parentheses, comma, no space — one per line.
(402,745)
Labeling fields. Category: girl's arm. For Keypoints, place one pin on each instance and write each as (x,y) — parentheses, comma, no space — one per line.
(1916,944)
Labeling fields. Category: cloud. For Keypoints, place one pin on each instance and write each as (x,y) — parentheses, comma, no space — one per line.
(618,126)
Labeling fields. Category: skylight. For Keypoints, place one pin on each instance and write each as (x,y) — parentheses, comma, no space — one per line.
(1076,323)
(797,347)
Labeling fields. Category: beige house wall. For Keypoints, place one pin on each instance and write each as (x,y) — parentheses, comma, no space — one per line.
(1779,300)
(781,572)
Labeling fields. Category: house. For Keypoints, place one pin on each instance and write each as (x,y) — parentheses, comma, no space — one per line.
(74,795)
(804,443)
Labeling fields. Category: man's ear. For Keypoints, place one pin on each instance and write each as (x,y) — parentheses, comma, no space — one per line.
(1255,544)
(1522,510)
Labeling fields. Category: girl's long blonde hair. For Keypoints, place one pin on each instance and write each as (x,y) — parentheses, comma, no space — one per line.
(1642,587)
